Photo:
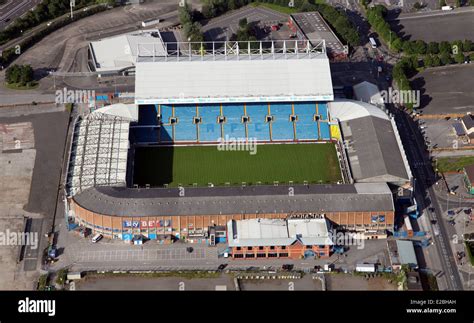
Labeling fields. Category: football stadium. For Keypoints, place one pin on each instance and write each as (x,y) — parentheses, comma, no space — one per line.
(238,143)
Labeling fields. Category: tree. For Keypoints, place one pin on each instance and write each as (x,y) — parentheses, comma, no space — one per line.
(467,45)
(458,3)
(243,23)
(19,74)
(396,44)
(433,48)
(436,61)
(444,47)
(428,61)
(442,3)
(407,47)
(446,59)
(459,58)
(419,47)
(456,46)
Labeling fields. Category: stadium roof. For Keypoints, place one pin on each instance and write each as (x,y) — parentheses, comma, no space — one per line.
(255,80)
(99,149)
(372,140)
(121,201)
(278,232)
(369,93)
(120,52)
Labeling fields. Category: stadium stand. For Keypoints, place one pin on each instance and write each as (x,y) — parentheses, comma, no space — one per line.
(233,127)
(322,110)
(166,133)
(257,127)
(185,129)
(324,131)
(306,127)
(281,127)
(201,123)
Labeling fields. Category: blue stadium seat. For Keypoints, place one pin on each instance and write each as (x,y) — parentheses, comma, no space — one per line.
(324,130)
(323,110)
(147,115)
(282,127)
(166,134)
(185,129)
(209,129)
(257,127)
(144,135)
(234,128)
(306,127)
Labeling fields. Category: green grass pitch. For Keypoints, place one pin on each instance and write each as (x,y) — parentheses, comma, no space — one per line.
(315,163)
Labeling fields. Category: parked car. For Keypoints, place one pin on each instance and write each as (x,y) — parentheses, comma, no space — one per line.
(189,249)
(221,267)
(287,267)
(97,238)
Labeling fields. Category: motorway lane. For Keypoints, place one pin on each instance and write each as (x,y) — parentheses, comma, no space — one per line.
(14,9)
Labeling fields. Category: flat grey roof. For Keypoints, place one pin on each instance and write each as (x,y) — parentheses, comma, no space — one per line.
(406,251)
(120,201)
(372,149)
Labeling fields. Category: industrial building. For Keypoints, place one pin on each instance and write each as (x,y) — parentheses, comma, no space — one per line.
(279,238)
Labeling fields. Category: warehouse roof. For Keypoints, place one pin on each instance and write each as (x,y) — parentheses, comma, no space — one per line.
(121,201)
(406,252)
(278,232)
(373,143)
(245,80)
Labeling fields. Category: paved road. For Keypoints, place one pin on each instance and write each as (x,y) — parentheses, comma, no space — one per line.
(14,9)
(426,198)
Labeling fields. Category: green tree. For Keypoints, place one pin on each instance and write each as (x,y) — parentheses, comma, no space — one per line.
(433,48)
(442,3)
(467,45)
(459,58)
(445,59)
(243,23)
(436,61)
(397,44)
(419,47)
(428,61)
(444,47)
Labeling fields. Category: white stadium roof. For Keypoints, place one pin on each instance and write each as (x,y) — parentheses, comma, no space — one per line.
(256,80)
(278,232)
(99,149)
(120,52)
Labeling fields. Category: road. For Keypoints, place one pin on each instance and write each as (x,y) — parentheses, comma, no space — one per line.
(14,9)
(427,198)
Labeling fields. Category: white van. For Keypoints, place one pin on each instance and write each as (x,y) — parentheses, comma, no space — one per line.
(97,238)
